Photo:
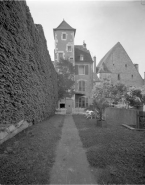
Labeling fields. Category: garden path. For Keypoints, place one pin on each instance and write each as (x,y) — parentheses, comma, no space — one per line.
(71,165)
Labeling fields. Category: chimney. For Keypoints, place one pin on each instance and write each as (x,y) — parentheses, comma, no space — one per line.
(94,64)
(136,66)
(84,44)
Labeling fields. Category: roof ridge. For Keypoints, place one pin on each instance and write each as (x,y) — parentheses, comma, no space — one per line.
(108,54)
(64,25)
(81,47)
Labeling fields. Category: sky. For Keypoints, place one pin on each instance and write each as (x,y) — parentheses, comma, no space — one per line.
(101,24)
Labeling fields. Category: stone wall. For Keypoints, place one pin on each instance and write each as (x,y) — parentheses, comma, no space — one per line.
(121,67)
(28,81)
(119,116)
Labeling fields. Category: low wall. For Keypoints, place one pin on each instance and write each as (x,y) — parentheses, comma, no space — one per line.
(121,116)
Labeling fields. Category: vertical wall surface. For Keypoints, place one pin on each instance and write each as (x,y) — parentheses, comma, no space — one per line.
(28,81)
(120,116)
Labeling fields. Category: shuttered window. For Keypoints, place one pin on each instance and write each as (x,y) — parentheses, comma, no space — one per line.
(76,69)
(81,69)
(86,70)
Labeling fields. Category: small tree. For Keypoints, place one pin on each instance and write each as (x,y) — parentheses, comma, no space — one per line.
(100,93)
(66,81)
(118,91)
(135,98)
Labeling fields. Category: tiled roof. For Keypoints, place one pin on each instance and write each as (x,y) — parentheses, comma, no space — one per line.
(80,50)
(104,69)
(64,26)
(101,67)
(105,58)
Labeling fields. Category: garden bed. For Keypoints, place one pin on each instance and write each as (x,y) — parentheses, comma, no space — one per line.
(116,154)
(28,157)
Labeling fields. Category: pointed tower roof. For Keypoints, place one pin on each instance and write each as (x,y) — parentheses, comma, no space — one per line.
(64,26)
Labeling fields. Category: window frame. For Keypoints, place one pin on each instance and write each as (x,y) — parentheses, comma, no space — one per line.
(81,85)
(63,33)
(86,69)
(68,47)
(71,59)
(81,58)
(81,102)
(83,69)
(60,52)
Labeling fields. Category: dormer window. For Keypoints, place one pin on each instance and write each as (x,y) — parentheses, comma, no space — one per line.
(81,57)
(63,36)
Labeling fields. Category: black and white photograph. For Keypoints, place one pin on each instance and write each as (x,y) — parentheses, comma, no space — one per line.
(72,92)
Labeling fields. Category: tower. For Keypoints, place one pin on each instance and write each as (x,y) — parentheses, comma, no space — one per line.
(64,42)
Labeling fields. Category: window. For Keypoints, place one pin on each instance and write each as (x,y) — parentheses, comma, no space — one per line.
(81,57)
(132,76)
(63,37)
(81,85)
(81,69)
(126,65)
(69,48)
(71,59)
(60,55)
(62,105)
(118,76)
(82,102)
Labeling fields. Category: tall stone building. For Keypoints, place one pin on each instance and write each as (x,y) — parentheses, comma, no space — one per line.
(117,66)
(80,56)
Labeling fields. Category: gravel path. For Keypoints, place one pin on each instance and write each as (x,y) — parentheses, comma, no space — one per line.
(71,165)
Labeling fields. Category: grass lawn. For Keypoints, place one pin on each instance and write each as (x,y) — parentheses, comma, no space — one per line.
(115,153)
(28,157)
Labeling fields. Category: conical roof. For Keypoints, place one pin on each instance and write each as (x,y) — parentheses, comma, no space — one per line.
(64,26)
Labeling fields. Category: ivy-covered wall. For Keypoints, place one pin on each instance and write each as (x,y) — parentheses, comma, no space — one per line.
(28,81)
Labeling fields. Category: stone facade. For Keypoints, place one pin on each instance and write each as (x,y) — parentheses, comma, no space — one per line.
(117,66)
(82,60)
(61,45)
(28,81)
(83,96)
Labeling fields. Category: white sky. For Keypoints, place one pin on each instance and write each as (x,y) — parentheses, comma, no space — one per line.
(100,23)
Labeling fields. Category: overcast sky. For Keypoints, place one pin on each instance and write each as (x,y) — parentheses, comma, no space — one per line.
(101,24)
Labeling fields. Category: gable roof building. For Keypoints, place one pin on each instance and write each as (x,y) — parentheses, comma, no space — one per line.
(117,66)
(81,50)
(79,55)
